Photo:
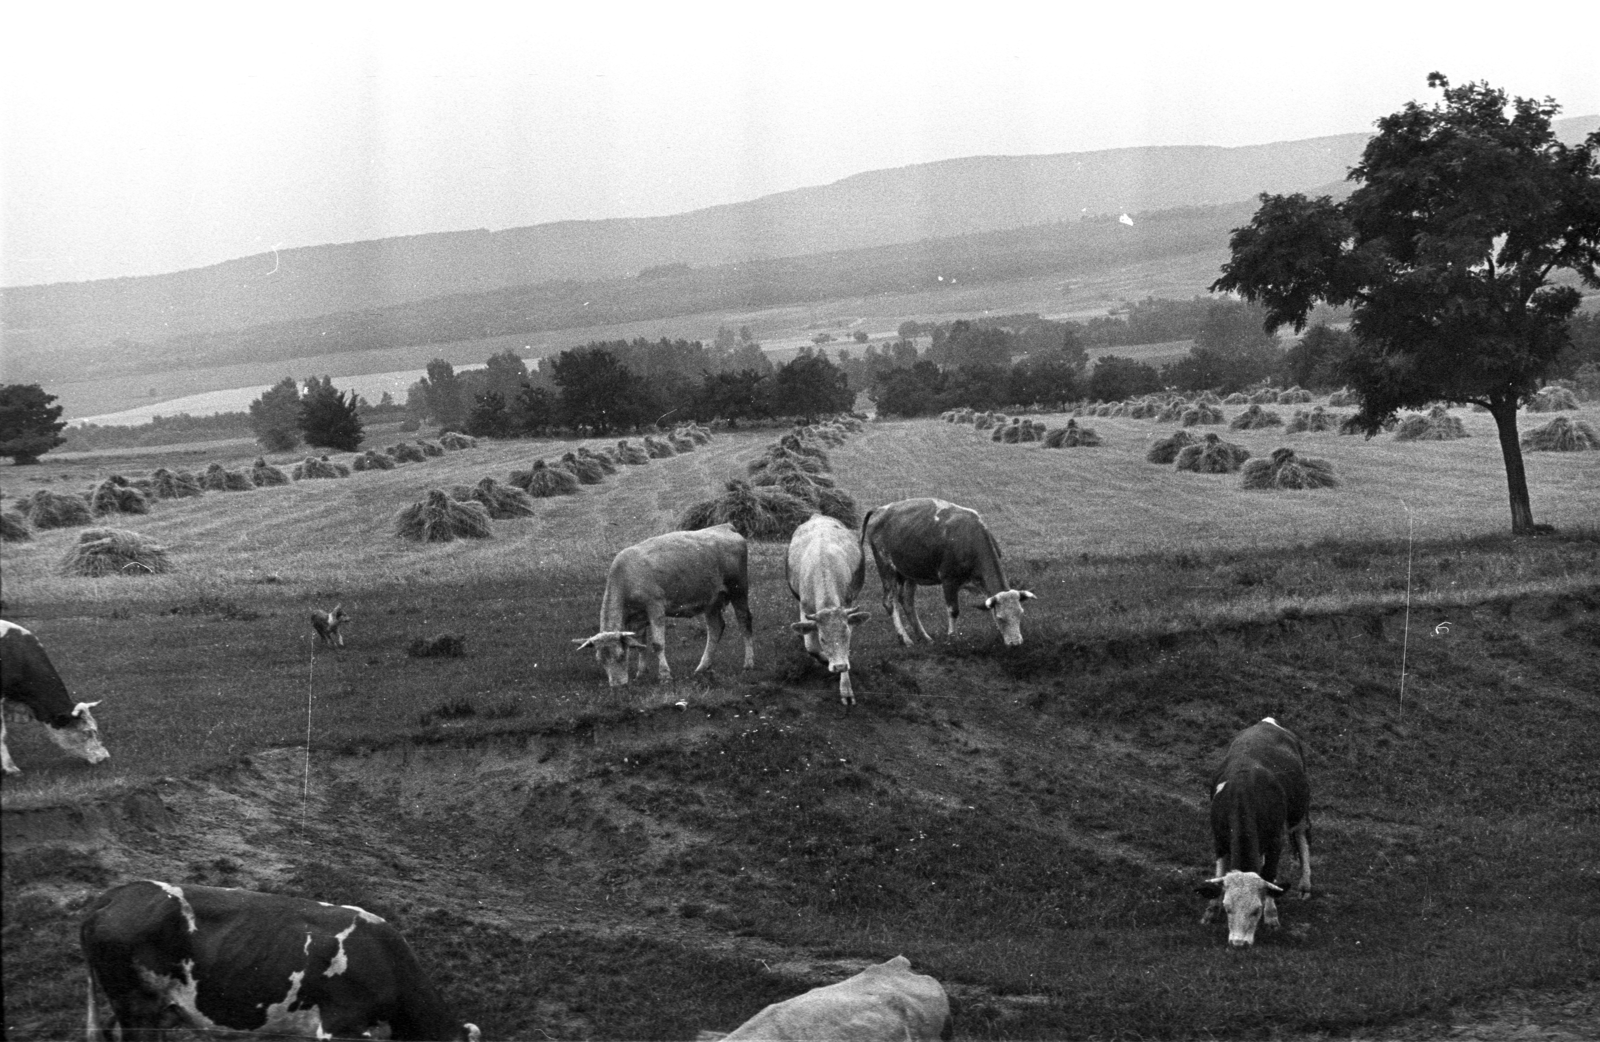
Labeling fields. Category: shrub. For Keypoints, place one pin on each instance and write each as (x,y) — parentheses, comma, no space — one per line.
(46,509)
(1435,425)
(761,513)
(167,484)
(1286,470)
(439,519)
(115,496)
(1166,450)
(1211,456)
(264,474)
(502,501)
(1255,418)
(543,481)
(114,551)
(1071,436)
(1562,435)
(14,528)
(405,452)
(371,460)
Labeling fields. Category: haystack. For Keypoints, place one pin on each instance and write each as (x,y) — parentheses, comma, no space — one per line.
(795,444)
(1562,435)
(681,443)
(1212,456)
(1236,398)
(1201,413)
(1314,422)
(587,470)
(180,484)
(1166,450)
(371,460)
(430,448)
(1553,399)
(774,455)
(1071,436)
(1435,425)
(982,421)
(313,467)
(1033,430)
(217,478)
(601,459)
(544,481)
(1143,408)
(816,490)
(1172,411)
(1255,418)
(114,551)
(1344,396)
(454,440)
(1294,396)
(14,528)
(657,448)
(405,452)
(115,496)
(1264,396)
(1286,470)
(698,433)
(502,501)
(765,514)
(631,455)
(439,519)
(46,509)
(265,475)
(1011,433)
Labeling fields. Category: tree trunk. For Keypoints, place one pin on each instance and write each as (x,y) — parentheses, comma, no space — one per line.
(1504,411)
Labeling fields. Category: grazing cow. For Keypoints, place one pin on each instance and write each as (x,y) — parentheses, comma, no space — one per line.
(33,689)
(928,542)
(327,624)
(1258,792)
(679,574)
(826,568)
(210,958)
(883,1003)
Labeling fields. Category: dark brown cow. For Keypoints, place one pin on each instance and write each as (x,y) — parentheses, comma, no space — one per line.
(33,690)
(1258,792)
(210,958)
(928,542)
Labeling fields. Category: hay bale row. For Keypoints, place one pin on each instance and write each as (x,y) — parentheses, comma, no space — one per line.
(761,513)
(1314,422)
(1562,435)
(1211,456)
(313,467)
(371,460)
(1255,418)
(265,475)
(1435,425)
(14,528)
(502,501)
(114,551)
(218,478)
(1071,436)
(1284,469)
(542,481)
(440,519)
(180,484)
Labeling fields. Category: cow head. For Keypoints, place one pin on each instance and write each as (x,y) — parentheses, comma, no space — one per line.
(611,651)
(81,738)
(1006,607)
(827,635)
(1247,899)
(470,1032)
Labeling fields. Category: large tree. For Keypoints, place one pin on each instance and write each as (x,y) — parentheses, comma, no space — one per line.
(29,425)
(1444,251)
(275,416)
(598,391)
(811,386)
(328,417)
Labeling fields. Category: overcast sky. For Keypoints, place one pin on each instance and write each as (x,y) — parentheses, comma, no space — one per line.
(152,137)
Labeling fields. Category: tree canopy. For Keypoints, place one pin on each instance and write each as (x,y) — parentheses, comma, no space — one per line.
(1444,252)
(29,425)
(328,417)
(275,416)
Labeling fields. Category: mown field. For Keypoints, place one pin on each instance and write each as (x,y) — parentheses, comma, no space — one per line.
(577,862)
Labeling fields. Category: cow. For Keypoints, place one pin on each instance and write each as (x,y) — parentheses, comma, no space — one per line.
(1258,792)
(213,958)
(883,1003)
(327,623)
(826,569)
(677,575)
(928,542)
(33,689)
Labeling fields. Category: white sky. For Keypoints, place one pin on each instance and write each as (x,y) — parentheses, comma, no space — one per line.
(146,137)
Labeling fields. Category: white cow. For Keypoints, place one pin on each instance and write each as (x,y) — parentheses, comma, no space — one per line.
(883,1003)
(679,574)
(826,569)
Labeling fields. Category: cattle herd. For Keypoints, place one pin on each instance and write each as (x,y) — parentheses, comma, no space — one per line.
(233,960)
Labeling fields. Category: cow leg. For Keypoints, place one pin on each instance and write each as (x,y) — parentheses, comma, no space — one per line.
(658,642)
(907,621)
(714,628)
(741,611)
(5,754)
(847,695)
(952,607)
(1214,906)
(893,603)
(1269,911)
(1302,888)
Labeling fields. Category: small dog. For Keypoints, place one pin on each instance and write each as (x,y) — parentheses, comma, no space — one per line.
(327,624)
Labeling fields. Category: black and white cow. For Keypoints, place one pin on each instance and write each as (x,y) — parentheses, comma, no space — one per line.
(677,575)
(1258,792)
(33,690)
(210,958)
(826,569)
(928,542)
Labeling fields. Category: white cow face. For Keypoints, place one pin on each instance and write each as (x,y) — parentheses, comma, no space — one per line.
(827,635)
(81,738)
(1247,899)
(611,650)
(1006,607)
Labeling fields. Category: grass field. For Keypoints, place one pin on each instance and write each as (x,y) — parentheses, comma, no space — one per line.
(573,861)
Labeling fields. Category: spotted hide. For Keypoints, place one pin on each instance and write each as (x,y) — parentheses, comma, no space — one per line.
(215,959)
(883,1003)
(33,690)
(1258,793)
(928,542)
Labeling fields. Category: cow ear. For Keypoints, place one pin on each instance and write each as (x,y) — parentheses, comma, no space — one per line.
(856,618)
(988,604)
(1210,888)
(804,626)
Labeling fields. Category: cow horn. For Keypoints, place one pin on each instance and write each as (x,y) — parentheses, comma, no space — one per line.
(582,642)
(1026,595)
(84,707)
(988,604)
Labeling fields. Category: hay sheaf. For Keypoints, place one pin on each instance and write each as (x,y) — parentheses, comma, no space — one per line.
(371,460)
(440,519)
(1236,398)
(587,470)
(657,448)
(542,481)
(46,509)
(1553,399)
(265,475)
(1343,397)
(430,448)
(698,433)
(1284,469)
(1201,414)
(761,513)
(778,456)
(1294,396)
(1264,396)
(1435,425)
(1166,450)
(1255,418)
(313,467)
(816,490)
(502,501)
(115,496)
(1562,435)
(1211,456)
(602,458)
(1315,421)
(114,551)
(14,528)
(631,455)
(1071,436)
(454,440)
(681,444)
(179,484)
(405,452)
(217,478)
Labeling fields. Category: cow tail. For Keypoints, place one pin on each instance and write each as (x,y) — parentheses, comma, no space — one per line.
(92,1030)
(864,522)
